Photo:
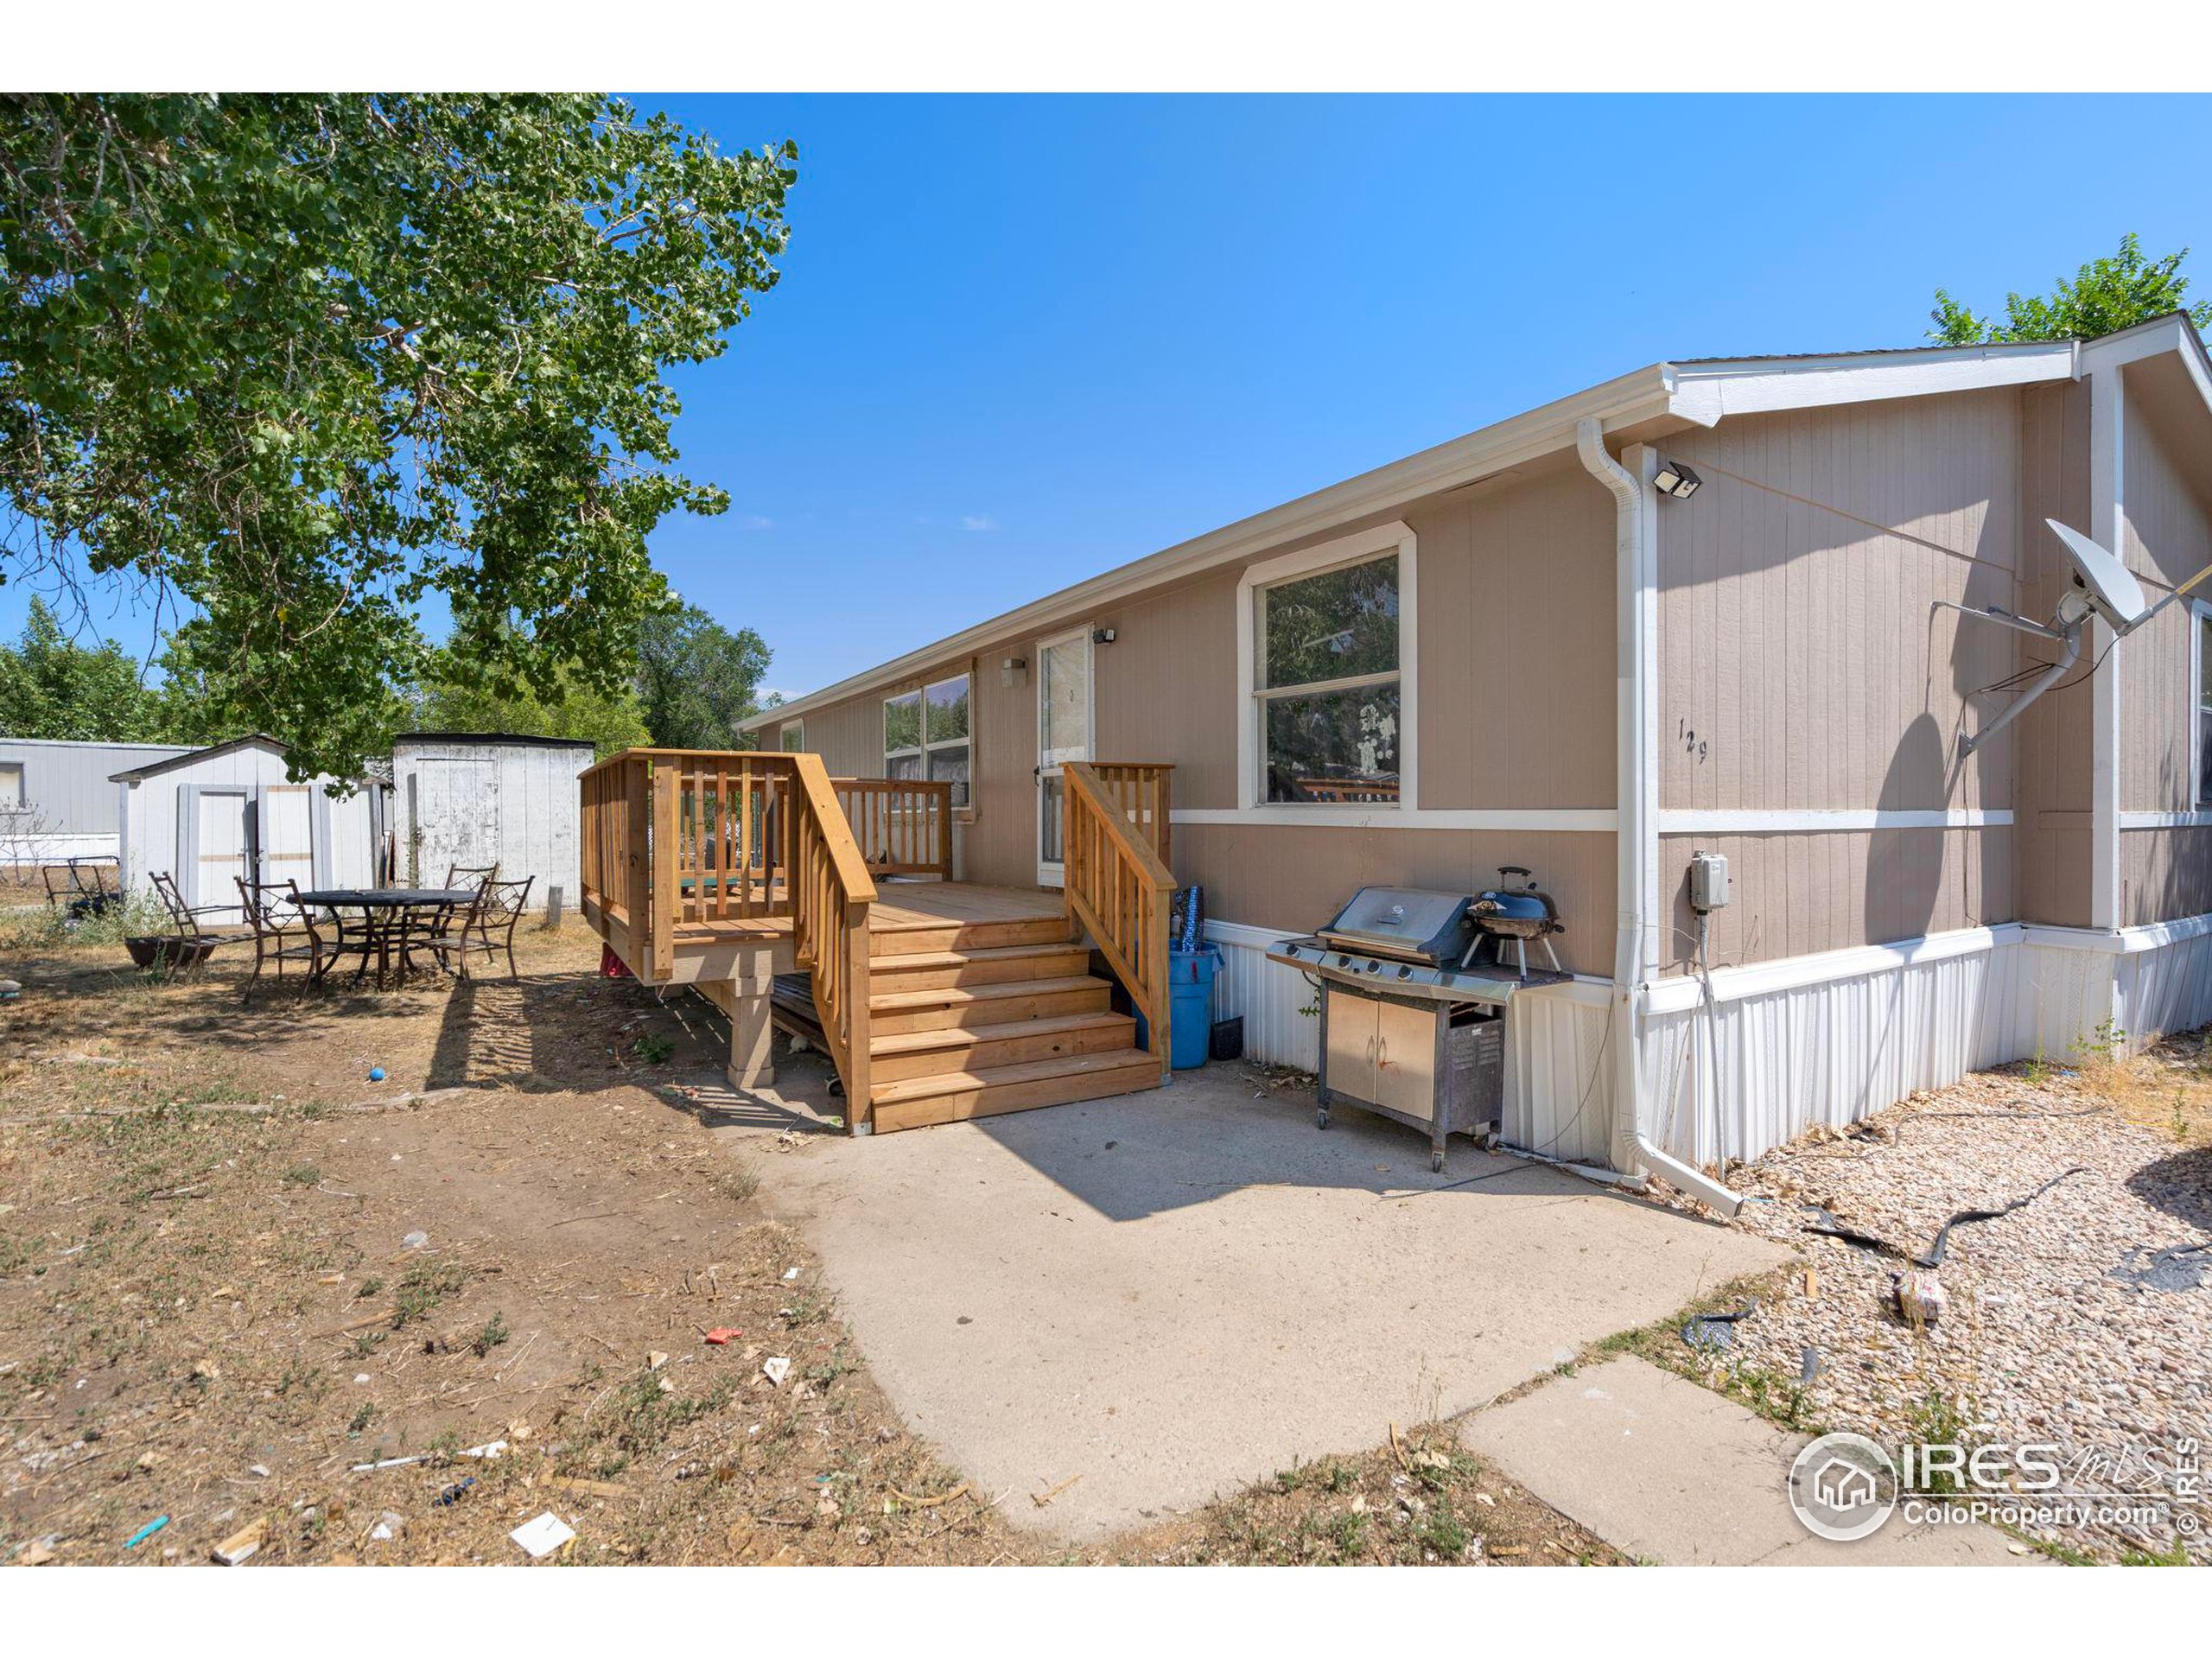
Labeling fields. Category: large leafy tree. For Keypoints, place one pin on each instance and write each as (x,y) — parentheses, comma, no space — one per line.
(51,686)
(2103,297)
(458,695)
(696,679)
(306,363)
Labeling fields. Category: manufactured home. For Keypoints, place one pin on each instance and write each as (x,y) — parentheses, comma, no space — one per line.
(56,800)
(1725,609)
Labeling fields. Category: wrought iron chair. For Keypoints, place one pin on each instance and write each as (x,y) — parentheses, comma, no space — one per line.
(187,944)
(282,929)
(472,875)
(486,926)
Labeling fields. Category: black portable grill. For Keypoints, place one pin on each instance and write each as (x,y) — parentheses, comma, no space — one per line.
(1414,996)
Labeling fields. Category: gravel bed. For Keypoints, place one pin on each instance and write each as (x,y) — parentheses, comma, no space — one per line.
(2051,1334)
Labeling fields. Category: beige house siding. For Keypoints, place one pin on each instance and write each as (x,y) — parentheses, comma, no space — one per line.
(1803,665)
(1517,653)
(2052,741)
(1799,665)
(2167,538)
(1798,894)
(1514,603)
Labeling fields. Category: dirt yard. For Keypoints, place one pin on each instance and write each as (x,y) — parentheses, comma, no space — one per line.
(235,1271)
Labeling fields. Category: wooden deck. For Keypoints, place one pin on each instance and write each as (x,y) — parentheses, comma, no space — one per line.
(825,905)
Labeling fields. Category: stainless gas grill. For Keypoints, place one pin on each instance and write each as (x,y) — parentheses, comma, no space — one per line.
(1414,993)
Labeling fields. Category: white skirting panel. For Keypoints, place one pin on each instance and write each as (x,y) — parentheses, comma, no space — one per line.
(1559,1073)
(1559,1095)
(1814,1040)
(1829,1051)
(1829,1040)
(1281,1026)
(29,849)
(2164,981)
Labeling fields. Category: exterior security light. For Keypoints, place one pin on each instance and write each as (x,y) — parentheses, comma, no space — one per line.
(1675,480)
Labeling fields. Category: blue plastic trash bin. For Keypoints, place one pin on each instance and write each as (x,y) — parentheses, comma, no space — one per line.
(1189,1005)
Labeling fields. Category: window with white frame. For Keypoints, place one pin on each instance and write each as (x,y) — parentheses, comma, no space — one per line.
(926,735)
(1329,665)
(11,785)
(2200,692)
(794,736)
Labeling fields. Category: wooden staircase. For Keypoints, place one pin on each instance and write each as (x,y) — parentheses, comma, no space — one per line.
(935,999)
(967,1018)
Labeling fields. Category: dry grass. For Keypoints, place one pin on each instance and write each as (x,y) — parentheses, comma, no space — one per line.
(208,1310)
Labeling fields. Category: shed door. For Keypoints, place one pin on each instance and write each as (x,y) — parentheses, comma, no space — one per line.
(288,834)
(225,851)
(454,811)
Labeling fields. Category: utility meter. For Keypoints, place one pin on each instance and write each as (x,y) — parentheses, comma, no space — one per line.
(1708,883)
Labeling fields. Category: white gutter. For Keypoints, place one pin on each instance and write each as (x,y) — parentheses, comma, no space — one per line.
(1632,812)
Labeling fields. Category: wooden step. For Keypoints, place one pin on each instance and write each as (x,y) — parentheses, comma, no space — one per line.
(922,971)
(891,1012)
(885,940)
(902,1055)
(951,1096)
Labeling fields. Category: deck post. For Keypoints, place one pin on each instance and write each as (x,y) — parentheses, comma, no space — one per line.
(751,1031)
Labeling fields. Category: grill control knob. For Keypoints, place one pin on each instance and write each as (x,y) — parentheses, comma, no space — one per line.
(1374,967)
(1405,973)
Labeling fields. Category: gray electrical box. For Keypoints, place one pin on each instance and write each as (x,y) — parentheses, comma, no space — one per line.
(1708,882)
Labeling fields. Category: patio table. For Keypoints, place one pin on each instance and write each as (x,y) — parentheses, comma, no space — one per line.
(382,910)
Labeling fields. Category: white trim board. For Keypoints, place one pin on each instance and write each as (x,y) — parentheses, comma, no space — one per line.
(1595,819)
(1682,821)
(2165,821)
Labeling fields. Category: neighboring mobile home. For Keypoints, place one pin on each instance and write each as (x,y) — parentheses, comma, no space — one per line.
(56,800)
(1513,649)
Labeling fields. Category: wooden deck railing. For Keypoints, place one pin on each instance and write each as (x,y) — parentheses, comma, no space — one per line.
(682,839)
(616,841)
(1118,888)
(901,825)
(831,891)
(1140,791)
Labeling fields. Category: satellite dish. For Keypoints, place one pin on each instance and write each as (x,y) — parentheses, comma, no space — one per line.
(2102,588)
(2113,594)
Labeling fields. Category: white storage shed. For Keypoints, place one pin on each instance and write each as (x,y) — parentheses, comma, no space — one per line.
(216,813)
(476,798)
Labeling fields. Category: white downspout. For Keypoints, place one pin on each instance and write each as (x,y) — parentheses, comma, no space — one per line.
(1632,826)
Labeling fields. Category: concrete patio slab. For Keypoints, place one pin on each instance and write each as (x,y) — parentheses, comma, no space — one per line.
(1669,1472)
(1170,1294)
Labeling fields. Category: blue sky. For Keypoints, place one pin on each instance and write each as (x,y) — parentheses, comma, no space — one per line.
(1020,341)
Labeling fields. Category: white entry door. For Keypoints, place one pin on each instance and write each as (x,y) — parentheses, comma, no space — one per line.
(223,855)
(1063,734)
(455,807)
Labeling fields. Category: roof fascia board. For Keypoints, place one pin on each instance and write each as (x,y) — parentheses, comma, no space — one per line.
(1525,437)
(2171,334)
(1753,387)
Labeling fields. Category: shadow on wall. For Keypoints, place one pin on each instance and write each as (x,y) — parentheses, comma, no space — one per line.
(1905,867)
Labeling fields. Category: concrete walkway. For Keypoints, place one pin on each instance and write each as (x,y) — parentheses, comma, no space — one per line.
(1171,1295)
(1668,1471)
